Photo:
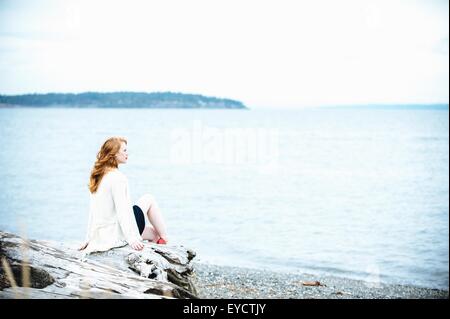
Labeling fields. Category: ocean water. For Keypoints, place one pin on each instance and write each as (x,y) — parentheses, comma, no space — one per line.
(359,193)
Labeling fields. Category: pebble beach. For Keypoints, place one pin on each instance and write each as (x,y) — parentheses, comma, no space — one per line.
(223,282)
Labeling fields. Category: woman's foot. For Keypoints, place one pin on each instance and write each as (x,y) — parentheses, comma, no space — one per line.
(161,241)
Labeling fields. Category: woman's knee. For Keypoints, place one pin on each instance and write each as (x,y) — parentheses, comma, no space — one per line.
(149,199)
(145,202)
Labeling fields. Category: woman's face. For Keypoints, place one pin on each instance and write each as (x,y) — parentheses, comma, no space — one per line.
(122,155)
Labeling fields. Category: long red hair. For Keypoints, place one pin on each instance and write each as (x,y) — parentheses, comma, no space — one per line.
(106,160)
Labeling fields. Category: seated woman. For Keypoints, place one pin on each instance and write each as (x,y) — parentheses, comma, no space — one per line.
(113,220)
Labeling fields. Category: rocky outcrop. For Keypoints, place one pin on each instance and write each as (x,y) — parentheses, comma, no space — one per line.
(42,269)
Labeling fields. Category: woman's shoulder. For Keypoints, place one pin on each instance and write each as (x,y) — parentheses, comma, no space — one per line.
(115,174)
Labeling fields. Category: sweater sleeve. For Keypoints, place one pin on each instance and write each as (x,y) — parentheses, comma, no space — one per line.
(124,209)
(89,225)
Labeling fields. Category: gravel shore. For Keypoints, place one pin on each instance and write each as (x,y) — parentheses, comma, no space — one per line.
(222,282)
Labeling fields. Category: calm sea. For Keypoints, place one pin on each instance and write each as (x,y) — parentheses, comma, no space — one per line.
(359,193)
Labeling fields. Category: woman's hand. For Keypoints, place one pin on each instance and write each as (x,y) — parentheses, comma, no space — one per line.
(137,245)
(83,246)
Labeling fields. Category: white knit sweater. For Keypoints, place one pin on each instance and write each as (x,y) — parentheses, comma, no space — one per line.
(111,219)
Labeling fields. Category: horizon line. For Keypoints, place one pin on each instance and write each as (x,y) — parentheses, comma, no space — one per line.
(255,105)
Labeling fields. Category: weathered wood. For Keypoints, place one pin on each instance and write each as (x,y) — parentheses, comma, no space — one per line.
(58,271)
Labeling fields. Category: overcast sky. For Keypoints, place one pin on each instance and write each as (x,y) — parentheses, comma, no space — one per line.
(265,53)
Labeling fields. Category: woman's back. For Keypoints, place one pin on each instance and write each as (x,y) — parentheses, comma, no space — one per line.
(102,201)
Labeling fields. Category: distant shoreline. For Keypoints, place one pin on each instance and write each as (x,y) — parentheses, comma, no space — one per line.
(436,106)
(13,106)
(156,100)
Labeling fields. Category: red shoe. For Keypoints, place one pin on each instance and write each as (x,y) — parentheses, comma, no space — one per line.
(161,241)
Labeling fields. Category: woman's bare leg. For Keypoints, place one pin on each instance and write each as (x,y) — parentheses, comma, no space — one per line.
(150,234)
(150,207)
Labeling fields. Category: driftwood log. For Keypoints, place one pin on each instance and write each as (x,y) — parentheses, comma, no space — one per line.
(43,269)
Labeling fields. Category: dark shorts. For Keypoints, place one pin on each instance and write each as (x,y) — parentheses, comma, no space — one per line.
(140,219)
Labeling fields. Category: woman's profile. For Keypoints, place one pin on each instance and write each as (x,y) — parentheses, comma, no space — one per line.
(113,220)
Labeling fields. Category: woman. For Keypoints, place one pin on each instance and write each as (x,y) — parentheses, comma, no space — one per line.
(113,221)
